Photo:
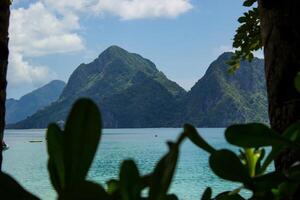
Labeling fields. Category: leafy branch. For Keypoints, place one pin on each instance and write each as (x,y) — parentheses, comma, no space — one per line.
(247,38)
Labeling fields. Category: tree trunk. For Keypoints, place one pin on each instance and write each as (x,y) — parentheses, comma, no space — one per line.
(4,23)
(280,29)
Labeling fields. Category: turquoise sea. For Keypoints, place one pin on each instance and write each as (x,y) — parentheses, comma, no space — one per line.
(26,161)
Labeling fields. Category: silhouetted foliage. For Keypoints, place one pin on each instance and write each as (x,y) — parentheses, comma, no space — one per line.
(71,152)
(247,38)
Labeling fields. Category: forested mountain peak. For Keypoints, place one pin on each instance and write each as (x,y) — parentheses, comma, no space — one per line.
(131,92)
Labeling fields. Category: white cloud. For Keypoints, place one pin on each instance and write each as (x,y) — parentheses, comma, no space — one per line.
(21,72)
(139,9)
(36,31)
(125,9)
(63,6)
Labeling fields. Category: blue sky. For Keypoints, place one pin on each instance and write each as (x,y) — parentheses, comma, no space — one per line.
(50,38)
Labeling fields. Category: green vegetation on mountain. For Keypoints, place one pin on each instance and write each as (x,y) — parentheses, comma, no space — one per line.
(17,110)
(220,98)
(132,92)
(128,88)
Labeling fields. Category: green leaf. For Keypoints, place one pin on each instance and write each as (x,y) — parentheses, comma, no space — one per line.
(286,190)
(171,197)
(85,190)
(207,194)
(270,158)
(232,69)
(297,82)
(292,133)
(163,174)
(294,173)
(247,39)
(268,181)
(56,156)
(227,165)
(253,135)
(54,177)
(146,180)
(242,19)
(81,138)
(249,3)
(130,182)
(193,135)
(112,186)
(228,196)
(11,189)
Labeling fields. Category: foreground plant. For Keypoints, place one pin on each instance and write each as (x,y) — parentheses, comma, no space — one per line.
(249,167)
(71,152)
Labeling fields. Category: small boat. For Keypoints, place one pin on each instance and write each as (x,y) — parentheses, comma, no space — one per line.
(35,141)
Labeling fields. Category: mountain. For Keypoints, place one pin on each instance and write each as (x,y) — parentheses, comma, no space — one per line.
(129,89)
(132,93)
(17,110)
(220,99)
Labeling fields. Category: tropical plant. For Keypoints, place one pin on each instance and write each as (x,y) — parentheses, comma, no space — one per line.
(71,151)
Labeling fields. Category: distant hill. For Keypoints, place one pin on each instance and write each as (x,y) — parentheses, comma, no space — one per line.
(17,110)
(132,92)
(220,99)
(128,88)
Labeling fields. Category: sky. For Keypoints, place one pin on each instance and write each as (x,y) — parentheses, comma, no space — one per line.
(50,38)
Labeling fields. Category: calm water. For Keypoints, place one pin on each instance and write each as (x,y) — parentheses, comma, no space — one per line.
(26,162)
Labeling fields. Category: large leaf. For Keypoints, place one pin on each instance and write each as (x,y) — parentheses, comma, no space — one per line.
(54,177)
(130,182)
(268,181)
(207,194)
(85,190)
(194,136)
(297,82)
(112,186)
(11,189)
(171,197)
(228,196)
(292,133)
(56,156)
(254,135)
(81,138)
(270,158)
(163,174)
(294,172)
(227,165)
(287,190)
